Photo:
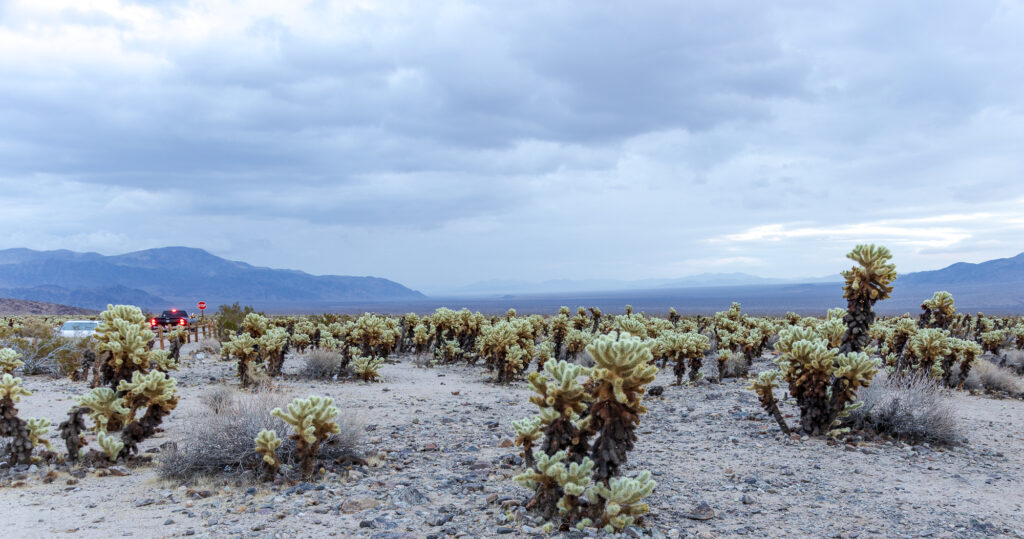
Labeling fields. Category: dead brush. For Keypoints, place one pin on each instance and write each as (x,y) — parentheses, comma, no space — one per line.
(320,364)
(912,408)
(222,442)
(991,377)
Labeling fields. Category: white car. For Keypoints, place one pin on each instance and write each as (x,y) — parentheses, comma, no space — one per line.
(77,329)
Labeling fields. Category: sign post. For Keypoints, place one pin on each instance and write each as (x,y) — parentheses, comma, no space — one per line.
(202,310)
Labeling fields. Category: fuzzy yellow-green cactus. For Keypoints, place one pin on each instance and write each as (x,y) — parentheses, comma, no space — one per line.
(926,350)
(823,382)
(313,421)
(939,310)
(993,340)
(633,326)
(272,346)
(11,389)
(122,344)
(267,443)
(111,446)
(245,349)
(682,348)
(255,325)
(507,346)
(553,478)
(622,370)
(528,431)
(561,400)
(158,394)
(764,385)
(163,361)
(867,282)
(10,360)
(37,429)
(106,409)
(623,499)
(367,368)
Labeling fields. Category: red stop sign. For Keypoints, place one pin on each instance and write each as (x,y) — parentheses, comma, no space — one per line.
(202,305)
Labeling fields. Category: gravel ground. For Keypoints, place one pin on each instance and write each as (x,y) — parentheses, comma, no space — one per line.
(445,462)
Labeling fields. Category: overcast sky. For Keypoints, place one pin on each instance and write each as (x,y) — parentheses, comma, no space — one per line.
(441,143)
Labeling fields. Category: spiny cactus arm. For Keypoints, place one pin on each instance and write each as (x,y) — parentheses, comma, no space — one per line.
(10,388)
(764,385)
(267,443)
(873,275)
(162,361)
(106,410)
(9,360)
(111,446)
(855,370)
(37,429)
(154,389)
(622,498)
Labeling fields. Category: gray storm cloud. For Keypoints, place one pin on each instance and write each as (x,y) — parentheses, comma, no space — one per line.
(447,142)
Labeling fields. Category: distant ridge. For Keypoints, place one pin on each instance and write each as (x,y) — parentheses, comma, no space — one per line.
(22,307)
(180,276)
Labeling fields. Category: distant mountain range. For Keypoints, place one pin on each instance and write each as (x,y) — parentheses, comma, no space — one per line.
(701,280)
(23,307)
(175,276)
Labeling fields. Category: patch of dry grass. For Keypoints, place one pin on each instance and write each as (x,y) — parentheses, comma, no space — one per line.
(911,407)
(222,441)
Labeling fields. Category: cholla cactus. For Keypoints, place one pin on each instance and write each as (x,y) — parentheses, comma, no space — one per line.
(367,368)
(122,344)
(273,345)
(576,342)
(37,428)
(267,443)
(722,359)
(421,338)
(155,391)
(823,382)
(764,385)
(106,409)
(255,325)
(926,350)
(621,373)
(72,429)
(559,329)
(622,499)
(992,340)
(964,353)
(562,400)
(556,484)
(19,449)
(10,360)
(682,348)
(313,421)
(938,311)
(301,341)
(245,349)
(528,431)
(177,338)
(111,446)
(507,347)
(866,283)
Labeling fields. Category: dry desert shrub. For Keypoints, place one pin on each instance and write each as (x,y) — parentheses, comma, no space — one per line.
(986,375)
(319,363)
(1013,360)
(210,347)
(222,441)
(912,408)
(218,398)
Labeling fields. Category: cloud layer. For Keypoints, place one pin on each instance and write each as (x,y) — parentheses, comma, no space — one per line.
(447,142)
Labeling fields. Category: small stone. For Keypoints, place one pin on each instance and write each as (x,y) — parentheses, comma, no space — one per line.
(504,530)
(168,522)
(703,511)
(119,471)
(506,443)
(747,499)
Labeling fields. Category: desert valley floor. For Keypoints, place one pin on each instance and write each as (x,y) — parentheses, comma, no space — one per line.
(440,464)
